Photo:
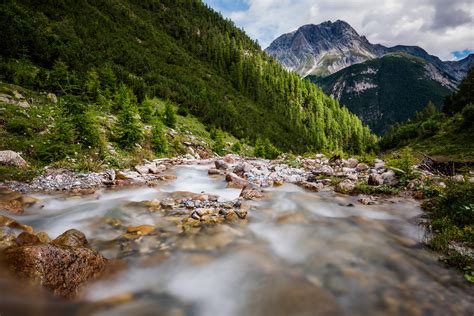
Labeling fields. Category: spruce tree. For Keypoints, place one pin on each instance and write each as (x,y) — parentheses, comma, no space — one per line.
(158,137)
(170,115)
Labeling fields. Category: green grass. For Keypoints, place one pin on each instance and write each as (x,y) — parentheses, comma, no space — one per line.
(363,188)
(452,214)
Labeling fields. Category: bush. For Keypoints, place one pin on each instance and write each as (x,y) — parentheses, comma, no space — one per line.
(237,147)
(265,149)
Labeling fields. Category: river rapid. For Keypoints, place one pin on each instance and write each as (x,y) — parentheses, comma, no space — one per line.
(296,253)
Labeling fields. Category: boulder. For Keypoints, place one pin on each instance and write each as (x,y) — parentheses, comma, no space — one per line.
(221,164)
(13,224)
(234,181)
(312,186)
(142,169)
(350,163)
(362,167)
(251,193)
(62,266)
(389,178)
(213,172)
(324,170)
(375,179)
(9,157)
(345,186)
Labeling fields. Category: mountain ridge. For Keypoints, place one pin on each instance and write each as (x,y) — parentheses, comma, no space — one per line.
(326,48)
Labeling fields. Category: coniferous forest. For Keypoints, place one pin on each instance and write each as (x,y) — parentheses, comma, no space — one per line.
(94,52)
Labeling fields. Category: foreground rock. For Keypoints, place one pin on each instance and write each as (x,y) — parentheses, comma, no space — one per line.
(62,266)
(9,157)
(14,202)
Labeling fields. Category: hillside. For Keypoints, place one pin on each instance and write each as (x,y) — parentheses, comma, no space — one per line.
(326,48)
(445,135)
(373,89)
(176,50)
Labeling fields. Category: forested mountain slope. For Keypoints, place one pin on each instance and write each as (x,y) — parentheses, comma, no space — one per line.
(178,50)
(386,90)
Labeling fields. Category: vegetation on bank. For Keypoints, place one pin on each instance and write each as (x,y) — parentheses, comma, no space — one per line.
(180,51)
(447,134)
(452,215)
(115,132)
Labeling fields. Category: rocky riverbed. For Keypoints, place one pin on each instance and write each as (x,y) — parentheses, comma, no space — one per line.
(227,236)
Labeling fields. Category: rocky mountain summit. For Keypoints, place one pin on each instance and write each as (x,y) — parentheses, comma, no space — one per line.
(328,47)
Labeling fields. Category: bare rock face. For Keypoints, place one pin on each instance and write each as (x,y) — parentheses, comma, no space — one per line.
(62,266)
(9,157)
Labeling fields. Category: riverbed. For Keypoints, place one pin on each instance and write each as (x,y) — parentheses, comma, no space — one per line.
(296,253)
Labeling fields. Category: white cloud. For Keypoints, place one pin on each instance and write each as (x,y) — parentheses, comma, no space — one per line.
(439,26)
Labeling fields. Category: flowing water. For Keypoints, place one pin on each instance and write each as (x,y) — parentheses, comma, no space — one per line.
(297,253)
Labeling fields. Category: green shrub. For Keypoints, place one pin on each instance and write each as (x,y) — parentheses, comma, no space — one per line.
(265,149)
(147,111)
(237,147)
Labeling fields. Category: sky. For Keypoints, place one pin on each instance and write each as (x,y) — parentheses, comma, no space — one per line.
(444,28)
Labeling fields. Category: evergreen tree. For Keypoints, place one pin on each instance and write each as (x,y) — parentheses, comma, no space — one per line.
(147,111)
(129,129)
(170,115)
(219,144)
(158,137)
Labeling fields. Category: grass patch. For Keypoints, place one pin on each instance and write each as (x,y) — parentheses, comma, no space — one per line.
(362,188)
(452,214)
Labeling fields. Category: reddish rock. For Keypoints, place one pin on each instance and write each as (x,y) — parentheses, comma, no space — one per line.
(62,266)
(234,181)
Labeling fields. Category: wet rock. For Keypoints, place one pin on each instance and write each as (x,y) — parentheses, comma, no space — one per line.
(312,186)
(221,165)
(278,183)
(61,266)
(13,224)
(242,214)
(230,158)
(361,167)
(251,193)
(27,239)
(71,238)
(61,269)
(213,172)
(375,179)
(363,201)
(43,237)
(346,186)
(141,230)
(9,157)
(234,181)
(168,203)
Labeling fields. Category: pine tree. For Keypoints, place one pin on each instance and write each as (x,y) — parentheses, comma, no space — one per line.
(146,110)
(170,115)
(158,137)
(219,144)
(128,126)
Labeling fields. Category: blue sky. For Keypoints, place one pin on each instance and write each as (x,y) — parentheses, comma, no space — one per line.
(227,5)
(444,28)
(462,54)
